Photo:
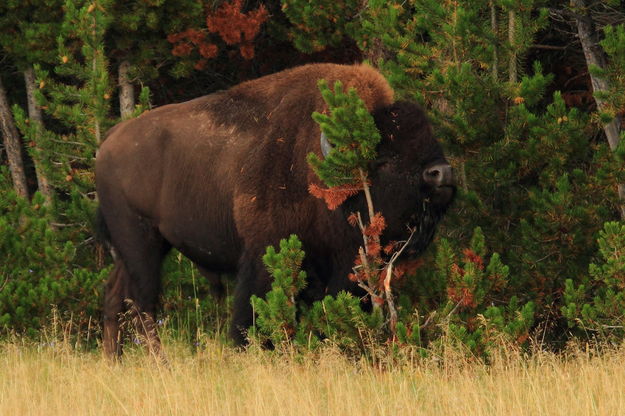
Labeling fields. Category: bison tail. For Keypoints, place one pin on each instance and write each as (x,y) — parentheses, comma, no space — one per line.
(102,233)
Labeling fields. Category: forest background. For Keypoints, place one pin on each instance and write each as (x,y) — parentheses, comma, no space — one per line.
(528,98)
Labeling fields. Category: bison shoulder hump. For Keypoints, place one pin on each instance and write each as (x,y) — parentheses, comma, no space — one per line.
(301,81)
(371,86)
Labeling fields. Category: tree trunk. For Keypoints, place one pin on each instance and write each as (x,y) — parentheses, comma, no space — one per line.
(34,114)
(13,145)
(512,69)
(126,91)
(493,28)
(594,56)
(96,122)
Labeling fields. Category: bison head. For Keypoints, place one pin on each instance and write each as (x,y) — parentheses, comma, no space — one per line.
(412,182)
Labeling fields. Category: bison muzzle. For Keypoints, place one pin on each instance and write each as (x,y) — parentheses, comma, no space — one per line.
(223,176)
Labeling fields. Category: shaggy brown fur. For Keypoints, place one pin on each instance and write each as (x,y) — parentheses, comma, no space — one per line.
(223,176)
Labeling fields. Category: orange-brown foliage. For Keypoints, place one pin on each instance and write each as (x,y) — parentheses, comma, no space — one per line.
(390,247)
(182,49)
(457,270)
(377,225)
(407,267)
(201,64)
(334,196)
(353,219)
(373,248)
(378,300)
(400,270)
(233,26)
(473,257)
(462,296)
(208,50)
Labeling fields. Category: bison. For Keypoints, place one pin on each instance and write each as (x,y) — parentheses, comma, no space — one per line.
(223,176)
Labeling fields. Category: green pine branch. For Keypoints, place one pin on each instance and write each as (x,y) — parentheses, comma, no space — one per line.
(351,131)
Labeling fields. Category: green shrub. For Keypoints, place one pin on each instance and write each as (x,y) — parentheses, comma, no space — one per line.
(40,268)
(276,314)
(597,307)
(470,313)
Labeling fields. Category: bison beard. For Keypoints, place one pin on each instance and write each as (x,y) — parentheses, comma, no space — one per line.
(223,176)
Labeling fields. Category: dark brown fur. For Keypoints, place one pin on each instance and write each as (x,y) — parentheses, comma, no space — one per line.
(223,176)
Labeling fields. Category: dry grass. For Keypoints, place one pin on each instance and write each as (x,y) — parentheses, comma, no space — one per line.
(58,381)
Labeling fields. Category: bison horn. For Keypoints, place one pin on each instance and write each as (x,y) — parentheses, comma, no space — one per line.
(326,147)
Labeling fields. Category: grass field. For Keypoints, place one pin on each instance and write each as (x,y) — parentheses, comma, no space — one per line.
(54,380)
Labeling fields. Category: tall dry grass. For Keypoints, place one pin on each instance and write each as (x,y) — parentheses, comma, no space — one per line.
(57,380)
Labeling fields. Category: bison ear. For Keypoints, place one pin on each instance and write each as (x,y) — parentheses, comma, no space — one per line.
(326,147)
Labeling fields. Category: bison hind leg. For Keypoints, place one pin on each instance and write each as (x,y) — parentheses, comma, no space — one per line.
(145,327)
(134,286)
(113,307)
(117,305)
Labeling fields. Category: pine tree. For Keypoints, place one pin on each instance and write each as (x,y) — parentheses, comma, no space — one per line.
(138,41)
(342,321)
(77,96)
(353,137)
(462,301)
(82,105)
(28,35)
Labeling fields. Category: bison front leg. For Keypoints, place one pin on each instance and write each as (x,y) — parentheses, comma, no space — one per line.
(216,286)
(252,279)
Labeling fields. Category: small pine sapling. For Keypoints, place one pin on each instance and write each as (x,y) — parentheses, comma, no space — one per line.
(473,314)
(603,313)
(352,132)
(276,314)
(341,320)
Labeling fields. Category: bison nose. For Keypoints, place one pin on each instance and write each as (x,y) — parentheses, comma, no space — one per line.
(439,174)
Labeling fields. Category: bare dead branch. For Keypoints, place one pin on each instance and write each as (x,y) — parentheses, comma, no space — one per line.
(387,284)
